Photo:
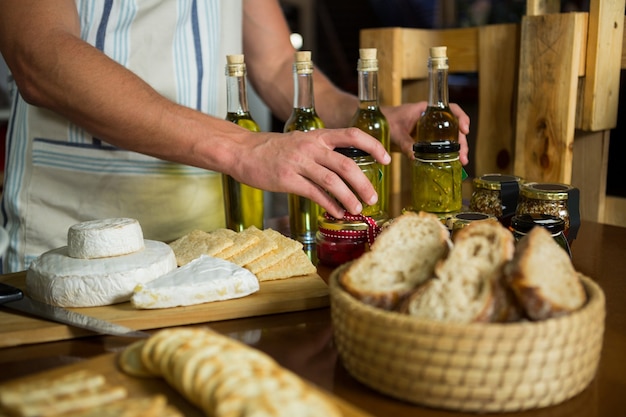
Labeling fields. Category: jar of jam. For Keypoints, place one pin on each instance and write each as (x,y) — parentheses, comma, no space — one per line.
(523,223)
(373,172)
(555,199)
(465,218)
(496,195)
(342,240)
(437,177)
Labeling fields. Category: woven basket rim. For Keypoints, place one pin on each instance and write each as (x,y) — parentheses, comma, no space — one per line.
(478,367)
(595,299)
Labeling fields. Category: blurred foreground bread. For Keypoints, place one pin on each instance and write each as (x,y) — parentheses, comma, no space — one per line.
(80,393)
(543,277)
(463,287)
(402,257)
(222,376)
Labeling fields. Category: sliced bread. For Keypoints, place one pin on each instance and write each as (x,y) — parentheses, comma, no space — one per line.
(402,257)
(543,277)
(463,290)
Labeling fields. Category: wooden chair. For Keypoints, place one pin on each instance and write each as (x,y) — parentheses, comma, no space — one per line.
(547,92)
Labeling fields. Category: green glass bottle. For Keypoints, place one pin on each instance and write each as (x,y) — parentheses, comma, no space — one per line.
(243,203)
(438,123)
(303,212)
(370,119)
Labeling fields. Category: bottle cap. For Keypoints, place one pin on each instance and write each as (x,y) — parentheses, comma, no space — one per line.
(234,59)
(367,60)
(235,65)
(439,57)
(439,52)
(303,63)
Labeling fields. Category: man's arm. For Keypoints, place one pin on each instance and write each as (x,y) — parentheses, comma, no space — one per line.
(55,69)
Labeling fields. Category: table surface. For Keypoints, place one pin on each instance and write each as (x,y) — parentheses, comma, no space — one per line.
(303,342)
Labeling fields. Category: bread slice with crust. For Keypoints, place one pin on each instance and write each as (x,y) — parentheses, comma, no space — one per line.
(402,257)
(463,289)
(543,277)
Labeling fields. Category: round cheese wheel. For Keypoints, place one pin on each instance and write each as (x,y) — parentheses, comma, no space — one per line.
(59,279)
(104,238)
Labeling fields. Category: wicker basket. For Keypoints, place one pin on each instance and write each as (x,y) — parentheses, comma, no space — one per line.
(475,367)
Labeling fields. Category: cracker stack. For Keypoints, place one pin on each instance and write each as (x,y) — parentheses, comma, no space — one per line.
(222,376)
(266,253)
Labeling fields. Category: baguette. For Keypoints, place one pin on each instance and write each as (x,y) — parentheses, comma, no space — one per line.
(543,277)
(402,257)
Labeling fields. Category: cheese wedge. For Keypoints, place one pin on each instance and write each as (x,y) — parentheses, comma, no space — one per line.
(104,238)
(59,279)
(203,280)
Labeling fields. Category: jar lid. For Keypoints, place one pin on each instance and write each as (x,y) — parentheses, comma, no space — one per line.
(464,218)
(494,181)
(470,216)
(331,223)
(352,152)
(546,191)
(436,147)
(524,222)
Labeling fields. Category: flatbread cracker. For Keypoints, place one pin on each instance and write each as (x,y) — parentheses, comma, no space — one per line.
(263,246)
(153,406)
(285,247)
(130,361)
(198,242)
(241,240)
(296,264)
(42,389)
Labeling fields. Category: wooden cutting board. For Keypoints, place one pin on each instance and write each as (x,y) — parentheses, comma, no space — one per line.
(145,387)
(293,294)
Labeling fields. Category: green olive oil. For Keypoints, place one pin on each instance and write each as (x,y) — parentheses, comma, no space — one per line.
(303,212)
(243,203)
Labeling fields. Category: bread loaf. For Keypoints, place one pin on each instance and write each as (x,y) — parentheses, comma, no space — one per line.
(402,257)
(543,277)
(462,290)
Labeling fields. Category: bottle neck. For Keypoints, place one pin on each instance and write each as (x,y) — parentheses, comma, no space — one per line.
(438,85)
(368,89)
(303,90)
(236,95)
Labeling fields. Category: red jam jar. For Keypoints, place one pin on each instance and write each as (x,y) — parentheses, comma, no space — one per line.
(342,240)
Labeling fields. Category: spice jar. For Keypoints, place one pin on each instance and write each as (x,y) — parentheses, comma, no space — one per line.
(373,172)
(342,240)
(560,200)
(523,223)
(437,176)
(496,195)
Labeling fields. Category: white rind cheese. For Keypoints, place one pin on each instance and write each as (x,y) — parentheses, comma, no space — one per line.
(203,280)
(59,279)
(104,238)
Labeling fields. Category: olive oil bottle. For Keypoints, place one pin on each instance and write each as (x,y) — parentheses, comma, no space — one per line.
(437,171)
(438,123)
(370,119)
(303,212)
(243,203)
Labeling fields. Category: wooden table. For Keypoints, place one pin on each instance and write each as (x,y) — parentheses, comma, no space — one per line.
(302,342)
